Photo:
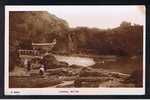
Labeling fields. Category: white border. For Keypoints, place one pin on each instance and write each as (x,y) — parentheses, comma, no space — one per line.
(60,91)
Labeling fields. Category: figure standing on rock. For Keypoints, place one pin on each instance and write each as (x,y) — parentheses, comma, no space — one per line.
(42,70)
(29,66)
(44,66)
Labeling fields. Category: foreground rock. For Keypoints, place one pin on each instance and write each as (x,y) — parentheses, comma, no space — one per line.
(53,63)
(32,82)
(89,77)
(60,75)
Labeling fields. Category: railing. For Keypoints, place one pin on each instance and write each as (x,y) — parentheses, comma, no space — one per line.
(37,52)
(28,52)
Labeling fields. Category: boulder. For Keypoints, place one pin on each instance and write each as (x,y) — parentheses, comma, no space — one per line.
(62,64)
(86,72)
(32,82)
(59,72)
(75,66)
(90,81)
(53,63)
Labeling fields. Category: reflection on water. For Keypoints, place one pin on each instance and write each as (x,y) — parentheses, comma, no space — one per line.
(82,61)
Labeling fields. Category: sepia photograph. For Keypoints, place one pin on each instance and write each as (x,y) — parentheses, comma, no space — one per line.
(74,50)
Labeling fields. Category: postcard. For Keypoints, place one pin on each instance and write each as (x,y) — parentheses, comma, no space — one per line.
(75,50)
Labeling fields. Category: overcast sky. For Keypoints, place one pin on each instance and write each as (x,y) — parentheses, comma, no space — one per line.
(99,16)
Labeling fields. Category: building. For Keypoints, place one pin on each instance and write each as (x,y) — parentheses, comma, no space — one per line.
(27,55)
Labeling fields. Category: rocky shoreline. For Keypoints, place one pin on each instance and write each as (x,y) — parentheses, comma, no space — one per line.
(70,77)
(61,74)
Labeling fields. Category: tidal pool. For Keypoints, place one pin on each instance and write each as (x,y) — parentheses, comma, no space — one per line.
(71,60)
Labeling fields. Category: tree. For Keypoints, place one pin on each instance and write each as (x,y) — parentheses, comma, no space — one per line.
(26,44)
(125,24)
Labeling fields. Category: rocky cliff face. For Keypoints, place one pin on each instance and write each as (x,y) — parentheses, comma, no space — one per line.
(37,25)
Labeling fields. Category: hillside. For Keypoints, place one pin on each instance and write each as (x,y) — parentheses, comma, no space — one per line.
(34,25)
(123,40)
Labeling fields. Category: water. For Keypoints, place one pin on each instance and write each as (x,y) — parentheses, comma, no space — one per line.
(71,60)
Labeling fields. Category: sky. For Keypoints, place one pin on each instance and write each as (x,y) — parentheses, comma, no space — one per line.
(99,16)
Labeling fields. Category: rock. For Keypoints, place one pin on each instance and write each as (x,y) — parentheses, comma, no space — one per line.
(135,78)
(18,72)
(65,84)
(90,81)
(53,63)
(118,75)
(86,72)
(59,72)
(115,82)
(75,66)
(62,64)
(32,82)
(67,78)
(50,59)
(45,82)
